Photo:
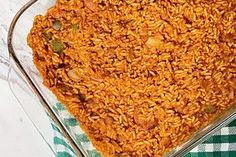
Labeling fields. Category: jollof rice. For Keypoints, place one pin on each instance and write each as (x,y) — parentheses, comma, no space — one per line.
(140,76)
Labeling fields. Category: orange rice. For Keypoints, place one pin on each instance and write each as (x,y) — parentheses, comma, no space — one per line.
(140,76)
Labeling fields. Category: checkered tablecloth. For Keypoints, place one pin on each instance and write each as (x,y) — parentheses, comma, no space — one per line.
(221,144)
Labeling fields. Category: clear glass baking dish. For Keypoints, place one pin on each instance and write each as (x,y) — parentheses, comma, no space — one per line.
(26,84)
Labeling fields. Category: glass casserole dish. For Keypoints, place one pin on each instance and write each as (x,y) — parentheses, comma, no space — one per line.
(23,67)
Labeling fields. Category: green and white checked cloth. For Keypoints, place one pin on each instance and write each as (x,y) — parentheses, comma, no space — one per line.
(63,149)
(221,144)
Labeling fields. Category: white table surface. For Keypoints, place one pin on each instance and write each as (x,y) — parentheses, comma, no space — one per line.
(18,136)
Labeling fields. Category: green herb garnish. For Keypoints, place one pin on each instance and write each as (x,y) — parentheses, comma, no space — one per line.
(47,35)
(57,45)
(74,27)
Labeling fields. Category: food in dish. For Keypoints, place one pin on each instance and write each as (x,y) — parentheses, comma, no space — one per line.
(141,76)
